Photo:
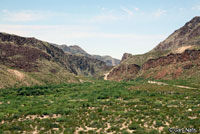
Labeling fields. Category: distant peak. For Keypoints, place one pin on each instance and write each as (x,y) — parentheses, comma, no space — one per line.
(75,46)
(194,21)
(126,56)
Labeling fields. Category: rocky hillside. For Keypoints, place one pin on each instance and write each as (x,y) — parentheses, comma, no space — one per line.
(164,54)
(110,61)
(28,61)
(188,35)
(85,65)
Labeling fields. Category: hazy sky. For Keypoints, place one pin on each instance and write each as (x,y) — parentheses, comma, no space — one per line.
(105,27)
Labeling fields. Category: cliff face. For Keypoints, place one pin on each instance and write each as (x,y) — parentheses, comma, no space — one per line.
(124,72)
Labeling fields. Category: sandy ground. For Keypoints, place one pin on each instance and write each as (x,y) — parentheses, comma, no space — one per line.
(18,74)
(182,49)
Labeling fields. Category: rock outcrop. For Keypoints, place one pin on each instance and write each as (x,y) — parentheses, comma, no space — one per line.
(124,72)
(126,56)
(188,55)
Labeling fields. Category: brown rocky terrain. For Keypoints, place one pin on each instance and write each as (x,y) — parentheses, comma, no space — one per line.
(123,71)
(172,66)
(188,55)
(21,57)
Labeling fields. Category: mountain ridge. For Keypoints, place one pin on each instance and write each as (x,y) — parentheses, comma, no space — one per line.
(41,62)
(77,50)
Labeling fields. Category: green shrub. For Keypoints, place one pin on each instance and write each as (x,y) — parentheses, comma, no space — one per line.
(134,126)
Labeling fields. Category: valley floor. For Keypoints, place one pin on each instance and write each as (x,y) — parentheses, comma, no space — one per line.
(99,107)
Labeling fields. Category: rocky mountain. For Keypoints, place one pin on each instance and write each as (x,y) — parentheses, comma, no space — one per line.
(110,61)
(126,56)
(123,72)
(176,55)
(73,50)
(29,61)
(188,35)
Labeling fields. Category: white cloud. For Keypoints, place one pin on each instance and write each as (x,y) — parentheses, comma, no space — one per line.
(29,15)
(136,9)
(22,16)
(196,7)
(103,18)
(112,35)
(181,9)
(159,12)
(51,33)
(103,8)
(72,31)
(129,12)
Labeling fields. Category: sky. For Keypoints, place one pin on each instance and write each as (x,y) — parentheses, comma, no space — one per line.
(103,27)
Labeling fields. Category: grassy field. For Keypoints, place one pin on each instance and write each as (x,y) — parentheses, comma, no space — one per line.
(99,107)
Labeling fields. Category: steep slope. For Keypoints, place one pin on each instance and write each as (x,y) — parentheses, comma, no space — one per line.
(185,38)
(110,61)
(28,61)
(187,35)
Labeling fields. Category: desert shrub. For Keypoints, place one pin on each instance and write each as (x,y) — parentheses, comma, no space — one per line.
(134,126)
(153,132)
(159,123)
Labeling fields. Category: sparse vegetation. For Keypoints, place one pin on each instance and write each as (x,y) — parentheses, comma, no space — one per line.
(98,107)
